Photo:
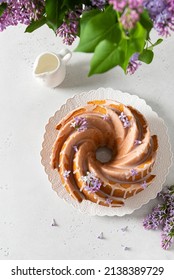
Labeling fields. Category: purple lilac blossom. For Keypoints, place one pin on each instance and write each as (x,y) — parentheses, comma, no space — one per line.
(92,183)
(125,248)
(108,200)
(105,117)
(54,224)
(162,15)
(100,236)
(124,229)
(136,5)
(126,123)
(69,28)
(134,172)
(129,18)
(131,10)
(66,174)
(19,11)
(171,5)
(118,5)
(144,185)
(122,116)
(75,148)
(80,124)
(124,120)
(137,142)
(98,3)
(134,63)
(166,241)
(163,215)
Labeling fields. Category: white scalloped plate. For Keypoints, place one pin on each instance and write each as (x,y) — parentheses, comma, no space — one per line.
(161,168)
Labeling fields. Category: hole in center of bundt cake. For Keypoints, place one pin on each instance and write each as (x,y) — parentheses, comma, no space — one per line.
(104,154)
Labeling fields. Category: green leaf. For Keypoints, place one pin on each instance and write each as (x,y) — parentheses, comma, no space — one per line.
(70,3)
(35,24)
(86,17)
(138,37)
(54,13)
(146,22)
(96,28)
(135,44)
(107,55)
(146,56)
(3,7)
(159,41)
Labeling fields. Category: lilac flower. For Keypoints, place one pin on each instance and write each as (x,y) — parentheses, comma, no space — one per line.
(105,117)
(126,123)
(164,22)
(150,222)
(166,241)
(108,200)
(163,216)
(80,124)
(100,236)
(171,5)
(131,10)
(137,142)
(144,185)
(98,3)
(69,28)
(75,148)
(19,11)
(134,63)
(124,229)
(66,174)
(54,224)
(118,5)
(136,5)
(125,248)
(124,119)
(134,172)
(129,19)
(122,116)
(154,7)
(162,15)
(92,183)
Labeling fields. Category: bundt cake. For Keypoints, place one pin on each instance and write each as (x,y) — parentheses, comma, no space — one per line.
(121,129)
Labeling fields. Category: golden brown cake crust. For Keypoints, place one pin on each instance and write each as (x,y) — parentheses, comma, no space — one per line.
(122,129)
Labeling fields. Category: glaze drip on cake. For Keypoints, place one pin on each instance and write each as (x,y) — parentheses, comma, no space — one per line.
(104,123)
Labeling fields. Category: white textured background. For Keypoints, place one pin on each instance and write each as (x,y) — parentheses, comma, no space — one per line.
(27,202)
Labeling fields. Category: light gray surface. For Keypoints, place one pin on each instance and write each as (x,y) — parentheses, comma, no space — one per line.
(27,202)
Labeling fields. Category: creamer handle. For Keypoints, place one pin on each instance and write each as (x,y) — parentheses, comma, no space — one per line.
(65,55)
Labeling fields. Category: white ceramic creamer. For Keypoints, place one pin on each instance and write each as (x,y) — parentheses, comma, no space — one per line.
(50,68)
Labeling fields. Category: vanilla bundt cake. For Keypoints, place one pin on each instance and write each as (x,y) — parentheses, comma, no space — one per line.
(121,129)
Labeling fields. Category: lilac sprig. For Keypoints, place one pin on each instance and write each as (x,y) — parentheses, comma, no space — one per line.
(92,183)
(21,11)
(66,174)
(80,124)
(162,15)
(162,216)
(130,9)
(134,64)
(137,142)
(69,28)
